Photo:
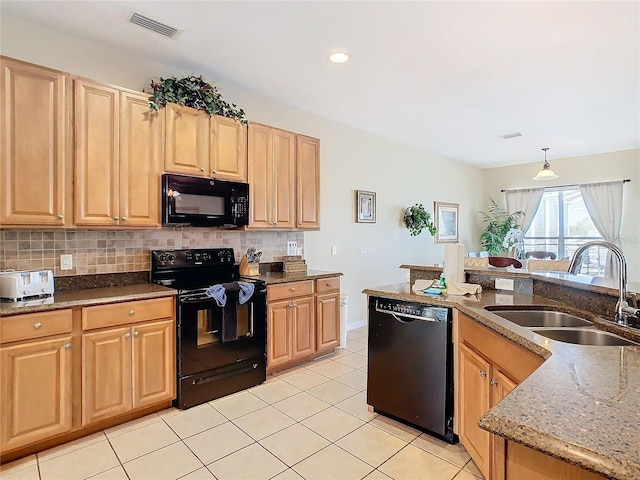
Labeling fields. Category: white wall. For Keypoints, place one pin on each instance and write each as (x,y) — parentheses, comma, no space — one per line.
(585,169)
(350,159)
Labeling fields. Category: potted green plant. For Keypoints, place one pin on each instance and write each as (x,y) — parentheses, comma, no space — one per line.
(193,91)
(417,219)
(501,230)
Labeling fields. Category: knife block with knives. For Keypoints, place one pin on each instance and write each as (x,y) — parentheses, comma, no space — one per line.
(250,263)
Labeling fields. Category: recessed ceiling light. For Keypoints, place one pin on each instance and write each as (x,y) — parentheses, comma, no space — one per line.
(338,57)
(507,136)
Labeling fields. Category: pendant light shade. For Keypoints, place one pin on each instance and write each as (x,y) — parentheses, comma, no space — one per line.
(546,173)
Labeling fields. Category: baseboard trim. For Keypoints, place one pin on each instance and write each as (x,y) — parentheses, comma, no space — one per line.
(354,325)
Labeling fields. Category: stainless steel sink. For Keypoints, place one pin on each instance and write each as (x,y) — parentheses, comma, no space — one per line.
(585,337)
(542,318)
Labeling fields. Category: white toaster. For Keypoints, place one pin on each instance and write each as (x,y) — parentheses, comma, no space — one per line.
(19,285)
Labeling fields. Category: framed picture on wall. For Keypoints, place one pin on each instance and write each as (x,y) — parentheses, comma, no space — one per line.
(446,222)
(365,207)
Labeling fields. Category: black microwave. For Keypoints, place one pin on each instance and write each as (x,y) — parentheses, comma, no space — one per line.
(204,202)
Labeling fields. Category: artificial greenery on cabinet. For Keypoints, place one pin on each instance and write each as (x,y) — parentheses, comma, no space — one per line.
(417,219)
(193,91)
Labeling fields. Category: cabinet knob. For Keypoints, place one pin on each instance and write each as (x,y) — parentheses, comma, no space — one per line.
(127,335)
(136,333)
(116,218)
(483,373)
(61,217)
(321,301)
(494,381)
(37,325)
(124,218)
(132,312)
(213,171)
(294,305)
(67,346)
(293,289)
(202,169)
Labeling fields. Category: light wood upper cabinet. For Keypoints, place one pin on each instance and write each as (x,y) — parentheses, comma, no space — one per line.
(271,177)
(141,153)
(34,158)
(118,157)
(308,183)
(186,140)
(97,155)
(36,391)
(228,155)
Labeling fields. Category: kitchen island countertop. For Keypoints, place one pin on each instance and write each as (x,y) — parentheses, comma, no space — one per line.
(283,277)
(581,405)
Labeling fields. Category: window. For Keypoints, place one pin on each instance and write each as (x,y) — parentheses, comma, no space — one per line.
(561,224)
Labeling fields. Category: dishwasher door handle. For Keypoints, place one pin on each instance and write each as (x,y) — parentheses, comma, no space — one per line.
(406,315)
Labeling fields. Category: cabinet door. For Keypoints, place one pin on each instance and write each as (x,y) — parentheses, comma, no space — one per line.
(154,360)
(260,173)
(186,140)
(473,376)
(501,386)
(303,326)
(36,391)
(228,149)
(106,374)
(141,152)
(328,321)
(284,178)
(308,187)
(96,154)
(34,151)
(279,333)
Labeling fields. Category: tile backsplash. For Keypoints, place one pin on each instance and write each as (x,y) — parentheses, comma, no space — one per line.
(109,251)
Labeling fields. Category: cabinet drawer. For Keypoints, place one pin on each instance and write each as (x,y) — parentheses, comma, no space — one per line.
(289,290)
(34,325)
(324,285)
(112,314)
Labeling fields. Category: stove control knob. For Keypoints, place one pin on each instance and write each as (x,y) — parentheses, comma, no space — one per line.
(171,257)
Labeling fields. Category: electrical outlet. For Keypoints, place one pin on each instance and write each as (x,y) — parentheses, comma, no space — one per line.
(334,250)
(292,248)
(299,250)
(66,262)
(504,284)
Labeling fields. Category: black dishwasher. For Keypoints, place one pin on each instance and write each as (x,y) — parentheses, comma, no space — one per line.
(410,371)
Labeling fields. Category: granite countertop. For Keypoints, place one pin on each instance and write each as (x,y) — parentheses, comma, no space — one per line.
(607,286)
(86,297)
(581,405)
(282,277)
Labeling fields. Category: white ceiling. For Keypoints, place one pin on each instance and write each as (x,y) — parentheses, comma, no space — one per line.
(447,77)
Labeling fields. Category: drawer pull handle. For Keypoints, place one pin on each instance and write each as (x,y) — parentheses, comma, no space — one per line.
(127,335)
(132,312)
(67,346)
(293,289)
(136,333)
(37,325)
(483,373)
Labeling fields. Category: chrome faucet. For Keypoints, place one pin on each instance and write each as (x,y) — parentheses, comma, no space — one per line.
(623,309)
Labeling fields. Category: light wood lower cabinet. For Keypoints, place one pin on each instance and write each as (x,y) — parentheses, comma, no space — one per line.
(303,321)
(127,368)
(488,367)
(36,391)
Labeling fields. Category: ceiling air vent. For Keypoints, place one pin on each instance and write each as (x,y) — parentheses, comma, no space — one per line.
(153,25)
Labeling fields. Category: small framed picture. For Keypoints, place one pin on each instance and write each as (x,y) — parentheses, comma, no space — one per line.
(446,222)
(365,207)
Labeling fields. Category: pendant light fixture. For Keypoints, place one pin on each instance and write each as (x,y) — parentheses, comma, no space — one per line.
(546,173)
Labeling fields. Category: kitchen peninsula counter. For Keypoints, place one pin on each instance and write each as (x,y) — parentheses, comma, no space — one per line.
(86,297)
(272,278)
(580,405)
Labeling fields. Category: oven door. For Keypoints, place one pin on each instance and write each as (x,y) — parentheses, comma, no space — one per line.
(200,332)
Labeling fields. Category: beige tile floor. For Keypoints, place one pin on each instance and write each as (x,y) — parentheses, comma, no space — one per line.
(310,422)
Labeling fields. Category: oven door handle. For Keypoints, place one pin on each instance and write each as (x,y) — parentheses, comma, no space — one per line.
(196,299)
